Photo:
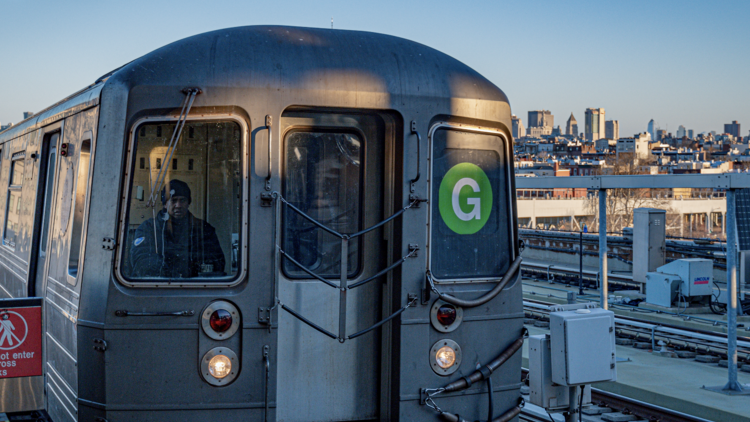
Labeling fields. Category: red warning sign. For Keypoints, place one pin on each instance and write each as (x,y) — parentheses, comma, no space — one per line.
(20,342)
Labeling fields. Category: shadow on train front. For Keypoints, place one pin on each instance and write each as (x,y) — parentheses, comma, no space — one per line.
(264,224)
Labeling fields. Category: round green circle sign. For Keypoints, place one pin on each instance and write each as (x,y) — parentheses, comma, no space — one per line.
(465,198)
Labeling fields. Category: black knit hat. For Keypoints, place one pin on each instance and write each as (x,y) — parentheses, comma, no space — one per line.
(175,188)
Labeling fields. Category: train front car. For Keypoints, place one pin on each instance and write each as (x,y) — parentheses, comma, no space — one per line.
(251,271)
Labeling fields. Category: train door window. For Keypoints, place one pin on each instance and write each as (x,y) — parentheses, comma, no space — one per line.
(49,188)
(470,235)
(13,207)
(190,230)
(323,178)
(81,191)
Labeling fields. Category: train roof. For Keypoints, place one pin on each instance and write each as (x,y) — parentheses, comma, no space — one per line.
(281,58)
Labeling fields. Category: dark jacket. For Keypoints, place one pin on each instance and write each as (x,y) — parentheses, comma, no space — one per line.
(186,248)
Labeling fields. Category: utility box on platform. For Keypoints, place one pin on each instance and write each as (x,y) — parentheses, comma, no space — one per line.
(582,345)
(649,241)
(542,391)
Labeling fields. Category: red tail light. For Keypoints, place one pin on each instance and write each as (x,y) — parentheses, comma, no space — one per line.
(220,320)
(446,314)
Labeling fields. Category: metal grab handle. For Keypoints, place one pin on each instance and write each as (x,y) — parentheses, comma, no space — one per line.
(125,313)
(512,271)
(265,385)
(378,324)
(268,127)
(419,155)
(308,322)
(306,270)
(386,270)
(341,235)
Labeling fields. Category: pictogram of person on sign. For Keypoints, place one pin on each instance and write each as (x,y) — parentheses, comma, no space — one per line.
(6,331)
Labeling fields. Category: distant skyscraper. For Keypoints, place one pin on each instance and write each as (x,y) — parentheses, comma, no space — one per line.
(541,118)
(681,131)
(518,130)
(27,114)
(572,127)
(690,133)
(612,129)
(660,134)
(594,124)
(651,129)
(733,129)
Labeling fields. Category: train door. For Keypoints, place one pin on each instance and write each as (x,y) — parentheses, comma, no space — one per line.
(63,253)
(333,171)
(47,174)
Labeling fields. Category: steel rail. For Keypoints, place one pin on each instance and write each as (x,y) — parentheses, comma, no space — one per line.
(647,411)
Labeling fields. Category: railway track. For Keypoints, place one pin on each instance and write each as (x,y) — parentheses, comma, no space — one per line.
(639,409)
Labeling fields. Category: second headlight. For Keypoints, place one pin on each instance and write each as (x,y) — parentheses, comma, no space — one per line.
(445,357)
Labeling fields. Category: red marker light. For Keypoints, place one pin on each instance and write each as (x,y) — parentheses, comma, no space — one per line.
(446,314)
(64,150)
(220,320)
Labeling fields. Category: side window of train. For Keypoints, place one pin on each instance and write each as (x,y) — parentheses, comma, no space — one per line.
(13,202)
(183,219)
(79,195)
(323,178)
(470,232)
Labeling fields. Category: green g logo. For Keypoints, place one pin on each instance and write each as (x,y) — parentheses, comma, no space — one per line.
(465,198)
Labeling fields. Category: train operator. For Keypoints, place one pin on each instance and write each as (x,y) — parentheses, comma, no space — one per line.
(181,245)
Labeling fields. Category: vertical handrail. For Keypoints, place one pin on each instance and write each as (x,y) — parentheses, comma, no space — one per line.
(343,287)
(269,129)
(414,131)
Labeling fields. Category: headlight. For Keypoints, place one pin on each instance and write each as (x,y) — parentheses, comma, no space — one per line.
(219,366)
(445,357)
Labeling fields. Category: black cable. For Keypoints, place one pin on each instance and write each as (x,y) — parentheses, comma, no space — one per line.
(491,411)
(580,404)
(711,303)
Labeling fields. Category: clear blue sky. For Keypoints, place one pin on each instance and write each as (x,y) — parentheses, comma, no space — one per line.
(678,62)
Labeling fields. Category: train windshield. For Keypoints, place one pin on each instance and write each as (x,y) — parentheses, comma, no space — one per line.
(323,179)
(184,214)
(470,235)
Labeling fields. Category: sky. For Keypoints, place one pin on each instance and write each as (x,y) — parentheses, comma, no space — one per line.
(677,62)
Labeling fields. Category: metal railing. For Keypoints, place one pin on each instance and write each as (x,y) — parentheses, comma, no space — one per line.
(343,282)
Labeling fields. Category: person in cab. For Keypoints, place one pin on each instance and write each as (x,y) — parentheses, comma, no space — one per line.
(176,244)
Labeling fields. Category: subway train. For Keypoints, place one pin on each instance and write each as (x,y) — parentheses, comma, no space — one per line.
(269,223)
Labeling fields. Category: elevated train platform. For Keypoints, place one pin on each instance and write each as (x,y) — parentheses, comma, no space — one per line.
(660,378)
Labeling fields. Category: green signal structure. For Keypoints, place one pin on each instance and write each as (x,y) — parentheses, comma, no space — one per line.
(465,198)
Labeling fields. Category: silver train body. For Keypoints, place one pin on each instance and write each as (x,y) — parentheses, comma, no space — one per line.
(272,125)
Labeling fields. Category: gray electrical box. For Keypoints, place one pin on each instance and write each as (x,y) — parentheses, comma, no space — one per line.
(661,289)
(649,241)
(582,346)
(542,391)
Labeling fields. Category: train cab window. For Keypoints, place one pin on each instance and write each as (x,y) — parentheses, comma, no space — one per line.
(323,178)
(13,207)
(190,229)
(470,234)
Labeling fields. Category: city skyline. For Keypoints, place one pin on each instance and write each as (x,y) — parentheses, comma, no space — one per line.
(668,61)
